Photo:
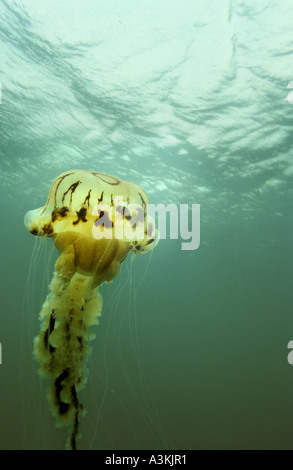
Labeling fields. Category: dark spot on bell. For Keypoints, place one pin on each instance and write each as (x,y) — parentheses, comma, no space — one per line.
(81,216)
(126,213)
(48,229)
(59,213)
(104,221)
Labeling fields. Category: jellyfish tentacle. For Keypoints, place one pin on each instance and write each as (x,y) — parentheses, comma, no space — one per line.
(69,311)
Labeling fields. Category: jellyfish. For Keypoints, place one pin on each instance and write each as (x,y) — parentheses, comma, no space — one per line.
(95,221)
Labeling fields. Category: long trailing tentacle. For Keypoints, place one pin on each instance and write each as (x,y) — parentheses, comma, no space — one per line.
(68,313)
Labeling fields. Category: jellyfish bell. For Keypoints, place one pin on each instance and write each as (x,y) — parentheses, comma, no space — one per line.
(95,221)
(70,217)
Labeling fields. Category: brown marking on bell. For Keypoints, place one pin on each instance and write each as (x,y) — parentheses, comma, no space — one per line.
(71,188)
(143,202)
(48,229)
(104,220)
(59,213)
(100,199)
(81,216)
(112,201)
(108,179)
(60,179)
(126,213)
(87,199)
